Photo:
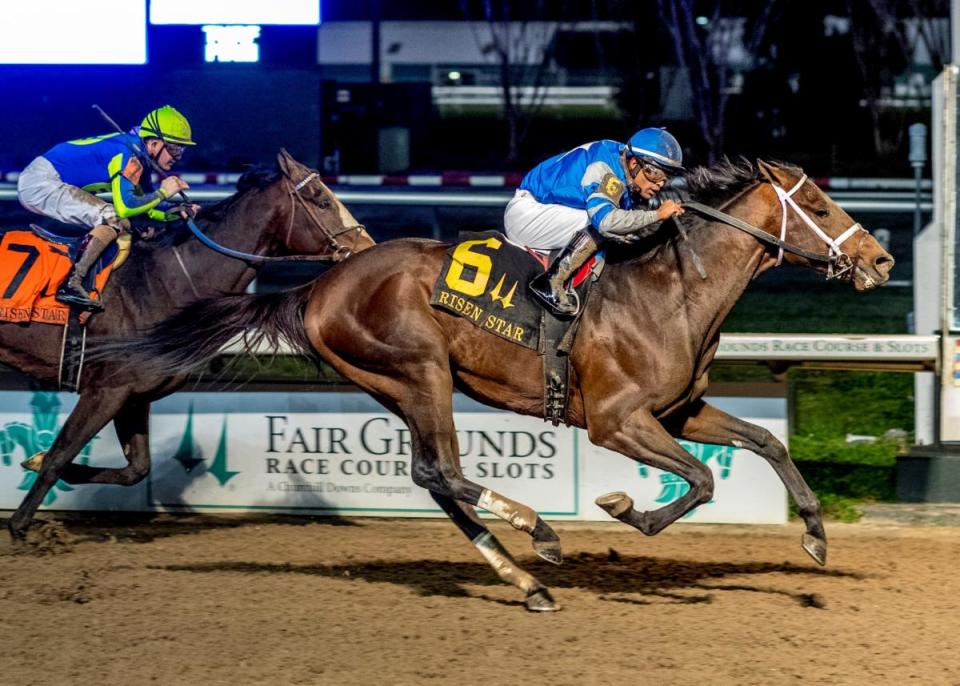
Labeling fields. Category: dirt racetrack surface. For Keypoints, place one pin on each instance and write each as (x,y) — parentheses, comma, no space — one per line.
(204,600)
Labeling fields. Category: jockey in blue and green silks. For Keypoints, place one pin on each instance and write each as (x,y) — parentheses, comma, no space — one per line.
(62,183)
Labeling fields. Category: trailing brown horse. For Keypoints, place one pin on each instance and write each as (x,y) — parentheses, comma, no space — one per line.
(649,331)
(288,211)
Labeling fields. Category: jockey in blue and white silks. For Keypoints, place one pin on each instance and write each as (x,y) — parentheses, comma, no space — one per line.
(576,199)
(62,182)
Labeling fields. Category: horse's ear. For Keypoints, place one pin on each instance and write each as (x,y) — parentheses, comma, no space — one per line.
(286,162)
(769,172)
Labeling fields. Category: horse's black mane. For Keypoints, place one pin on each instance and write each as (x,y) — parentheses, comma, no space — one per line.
(257,177)
(174,233)
(725,179)
(722,180)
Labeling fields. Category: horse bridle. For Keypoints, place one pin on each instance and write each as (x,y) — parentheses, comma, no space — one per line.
(340,251)
(838,262)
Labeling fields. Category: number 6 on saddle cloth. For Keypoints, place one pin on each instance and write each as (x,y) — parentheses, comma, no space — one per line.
(483,280)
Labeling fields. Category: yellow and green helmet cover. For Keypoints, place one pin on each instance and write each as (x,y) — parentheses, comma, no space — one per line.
(167,124)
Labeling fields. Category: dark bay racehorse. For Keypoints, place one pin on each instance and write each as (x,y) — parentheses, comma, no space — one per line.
(649,331)
(288,211)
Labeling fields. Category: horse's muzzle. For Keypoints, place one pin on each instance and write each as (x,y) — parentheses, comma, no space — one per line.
(868,274)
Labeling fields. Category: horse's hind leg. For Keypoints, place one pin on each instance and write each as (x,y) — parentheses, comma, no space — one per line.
(706,424)
(93,410)
(400,355)
(427,407)
(131,424)
(538,598)
(419,388)
(641,437)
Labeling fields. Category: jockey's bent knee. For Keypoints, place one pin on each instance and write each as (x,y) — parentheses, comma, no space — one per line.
(105,232)
(119,224)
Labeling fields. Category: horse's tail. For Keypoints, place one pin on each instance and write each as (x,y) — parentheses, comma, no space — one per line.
(197,333)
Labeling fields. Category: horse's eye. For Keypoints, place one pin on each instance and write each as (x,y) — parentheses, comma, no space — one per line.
(822,213)
(324,204)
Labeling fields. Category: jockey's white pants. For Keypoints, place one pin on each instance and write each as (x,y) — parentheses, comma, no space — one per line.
(529,222)
(41,190)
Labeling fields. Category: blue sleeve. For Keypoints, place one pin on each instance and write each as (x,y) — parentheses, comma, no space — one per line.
(602,190)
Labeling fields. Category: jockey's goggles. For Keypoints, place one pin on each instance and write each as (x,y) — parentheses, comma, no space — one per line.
(653,173)
(174,150)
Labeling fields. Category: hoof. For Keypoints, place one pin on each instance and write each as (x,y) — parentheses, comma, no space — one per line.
(17,534)
(816,548)
(540,600)
(33,462)
(549,551)
(546,543)
(615,504)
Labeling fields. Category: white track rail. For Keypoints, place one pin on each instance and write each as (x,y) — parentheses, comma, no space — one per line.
(835,350)
(852,202)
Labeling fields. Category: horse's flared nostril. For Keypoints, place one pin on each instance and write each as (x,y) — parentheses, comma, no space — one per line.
(884,263)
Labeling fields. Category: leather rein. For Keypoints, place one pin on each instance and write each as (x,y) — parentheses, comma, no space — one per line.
(339,253)
(839,264)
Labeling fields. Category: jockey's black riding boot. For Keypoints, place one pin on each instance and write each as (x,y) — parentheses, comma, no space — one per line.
(550,287)
(71,291)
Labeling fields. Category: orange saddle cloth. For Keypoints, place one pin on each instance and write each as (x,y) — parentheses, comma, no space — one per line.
(31,270)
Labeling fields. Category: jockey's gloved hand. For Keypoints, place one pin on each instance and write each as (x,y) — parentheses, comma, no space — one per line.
(183,211)
(668,209)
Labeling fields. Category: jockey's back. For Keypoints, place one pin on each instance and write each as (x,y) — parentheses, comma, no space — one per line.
(560,179)
(93,161)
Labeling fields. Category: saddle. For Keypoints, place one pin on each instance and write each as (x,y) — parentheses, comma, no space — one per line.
(32,266)
(484,280)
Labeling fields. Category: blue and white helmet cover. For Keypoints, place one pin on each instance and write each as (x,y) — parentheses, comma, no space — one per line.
(658,146)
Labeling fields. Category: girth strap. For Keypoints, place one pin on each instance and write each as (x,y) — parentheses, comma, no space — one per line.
(556,367)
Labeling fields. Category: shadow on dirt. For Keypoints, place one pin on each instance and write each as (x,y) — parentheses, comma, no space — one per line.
(135,527)
(615,578)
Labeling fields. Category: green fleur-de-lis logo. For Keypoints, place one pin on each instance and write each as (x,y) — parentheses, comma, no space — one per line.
(37,437)
(189,454)
(673,486)
(219,467)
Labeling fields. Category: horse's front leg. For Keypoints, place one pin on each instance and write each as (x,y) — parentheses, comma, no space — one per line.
(94,409)
(704,423)
(641,437)
(132,425)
